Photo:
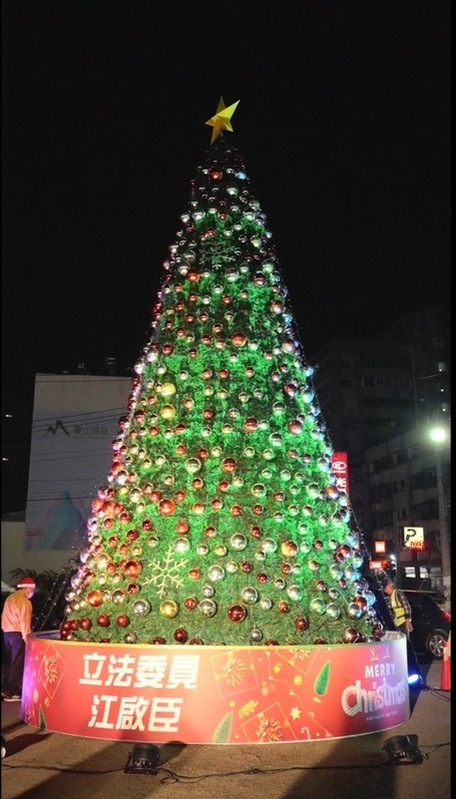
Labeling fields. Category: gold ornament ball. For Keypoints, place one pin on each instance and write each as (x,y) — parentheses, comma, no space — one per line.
(169,609)
(168,389)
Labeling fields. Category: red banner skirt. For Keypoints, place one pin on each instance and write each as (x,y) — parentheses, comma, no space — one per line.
(214,695)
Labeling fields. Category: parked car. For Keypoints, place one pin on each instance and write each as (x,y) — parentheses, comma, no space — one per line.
(431,623)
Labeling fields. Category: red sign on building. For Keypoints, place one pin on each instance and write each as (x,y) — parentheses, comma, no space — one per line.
(340,469)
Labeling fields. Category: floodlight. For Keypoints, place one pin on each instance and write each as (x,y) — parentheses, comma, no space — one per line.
(414,679)
(403,749)
(144,759)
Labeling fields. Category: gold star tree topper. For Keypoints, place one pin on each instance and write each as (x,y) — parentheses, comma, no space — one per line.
(222,118)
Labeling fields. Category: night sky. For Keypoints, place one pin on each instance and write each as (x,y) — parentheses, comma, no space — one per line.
(343,123)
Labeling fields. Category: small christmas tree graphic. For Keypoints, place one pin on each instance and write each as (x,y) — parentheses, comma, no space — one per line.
(220,522)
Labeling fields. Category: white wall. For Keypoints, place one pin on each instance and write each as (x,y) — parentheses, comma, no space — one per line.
(16,556)
(75,419)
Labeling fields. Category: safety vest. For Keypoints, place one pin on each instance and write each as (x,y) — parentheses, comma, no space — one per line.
(398,609)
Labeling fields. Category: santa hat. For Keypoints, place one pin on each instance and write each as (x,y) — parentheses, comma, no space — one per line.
(27,582)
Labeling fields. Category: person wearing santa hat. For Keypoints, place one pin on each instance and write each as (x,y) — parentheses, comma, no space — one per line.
(16,626)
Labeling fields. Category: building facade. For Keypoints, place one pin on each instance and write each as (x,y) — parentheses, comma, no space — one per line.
(409,505)
(373,396)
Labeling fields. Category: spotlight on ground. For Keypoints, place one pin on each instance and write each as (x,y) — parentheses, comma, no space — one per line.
(144,759)
(414,680)
(403,749)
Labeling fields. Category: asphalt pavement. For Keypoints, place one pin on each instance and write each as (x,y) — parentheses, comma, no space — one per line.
(415,762)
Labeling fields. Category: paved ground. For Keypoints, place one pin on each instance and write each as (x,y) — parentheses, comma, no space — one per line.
(41,765)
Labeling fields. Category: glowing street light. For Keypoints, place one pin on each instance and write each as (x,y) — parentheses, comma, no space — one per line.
(438,435)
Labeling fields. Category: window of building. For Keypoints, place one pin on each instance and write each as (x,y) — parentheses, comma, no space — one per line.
(410,572)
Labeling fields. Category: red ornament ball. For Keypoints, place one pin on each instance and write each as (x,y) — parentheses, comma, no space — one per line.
(350,635)
(239,339)
(251,424)
(302,623)
(85,624)
(237,613)
(182,527)
(181,635)
(103,620)
(95,598)
(123,620)
(258,510)
(342,553)
(291,389)
(65,626)
(167,507)
(133,568)
(379,630)
(88,578)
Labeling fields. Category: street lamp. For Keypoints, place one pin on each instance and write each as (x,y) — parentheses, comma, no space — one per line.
(438,435)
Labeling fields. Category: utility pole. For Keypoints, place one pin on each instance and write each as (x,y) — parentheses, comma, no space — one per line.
(443,525)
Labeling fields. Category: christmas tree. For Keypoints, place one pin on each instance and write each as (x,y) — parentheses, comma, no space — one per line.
(221,522)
